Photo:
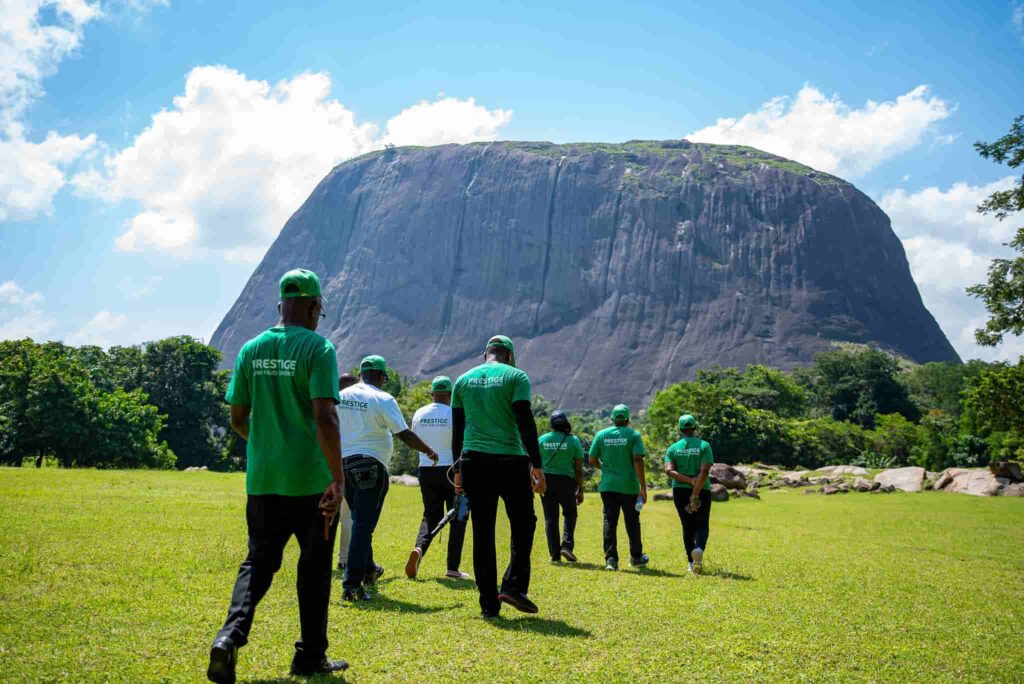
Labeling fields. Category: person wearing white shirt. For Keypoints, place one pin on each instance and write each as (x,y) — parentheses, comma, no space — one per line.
(433,423)
(367,417)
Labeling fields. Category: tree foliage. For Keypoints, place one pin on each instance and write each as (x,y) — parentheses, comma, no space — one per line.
(855,385)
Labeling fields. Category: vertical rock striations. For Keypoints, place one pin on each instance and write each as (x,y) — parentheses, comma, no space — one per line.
(617,268)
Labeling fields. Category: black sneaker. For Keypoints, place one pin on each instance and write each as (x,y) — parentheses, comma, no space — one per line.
(357,594)
(569,555)
(302,668)
(611,564)
(489,614)
(374,575)
(642,559)
(519,601)
(556,560)
(223,658)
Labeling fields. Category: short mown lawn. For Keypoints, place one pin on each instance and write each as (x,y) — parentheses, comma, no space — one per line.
(125,576)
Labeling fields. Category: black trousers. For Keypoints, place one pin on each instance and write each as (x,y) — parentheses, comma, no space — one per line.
(560,494)
(613,502)
(366,485)
(696,526)
(272,520)
(486,478)
(439,495)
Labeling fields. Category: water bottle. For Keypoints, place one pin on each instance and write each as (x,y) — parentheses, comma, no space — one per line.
(462,508)
(639,503)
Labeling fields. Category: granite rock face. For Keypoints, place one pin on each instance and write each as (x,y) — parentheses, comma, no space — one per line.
(617,268)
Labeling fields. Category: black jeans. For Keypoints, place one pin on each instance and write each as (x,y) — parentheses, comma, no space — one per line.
(613,503)
(486,477)
(439,494)
(272,520)
(696,526)
(560,494)
(366,485)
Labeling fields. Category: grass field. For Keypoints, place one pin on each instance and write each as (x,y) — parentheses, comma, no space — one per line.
(125,576)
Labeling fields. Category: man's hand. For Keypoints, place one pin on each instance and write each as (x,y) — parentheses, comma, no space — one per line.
(694,505)
(433,456)
(458,482)
(579,496)
(330,502)
(540,485)
(643,495)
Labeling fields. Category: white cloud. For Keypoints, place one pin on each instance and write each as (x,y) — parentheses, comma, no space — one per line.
(20,313)
(223,169)
(1017,19)
(103,330)
(35,37)
(950,246)
(826,134)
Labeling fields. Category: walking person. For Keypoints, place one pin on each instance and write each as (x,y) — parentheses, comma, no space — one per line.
(562,457)
(433,423)
(494,440)
(619,452)
(688,464)
(345,380)
(282,396)
(368,416)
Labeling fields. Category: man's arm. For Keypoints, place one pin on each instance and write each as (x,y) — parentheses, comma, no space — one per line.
(523,412)
(702,477)
(413,441)
(240,420)
(638,464)
(673,474)
(578,465)
(329,437)
(458,434)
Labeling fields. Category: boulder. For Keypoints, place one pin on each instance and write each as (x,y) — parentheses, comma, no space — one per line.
(1015,489)
(977,482)
(883,488)
(843,470)
(946,477)
(862,485)
(1008,469)
(795,478)
(719,493)
(751,472)
(727,475)
(405,480)
(663,496)
(829,489)
(910,479)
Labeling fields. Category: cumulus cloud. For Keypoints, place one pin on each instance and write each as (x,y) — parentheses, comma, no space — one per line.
(222,170)
(826,134)
(21,315)
(949,246)
(103,330)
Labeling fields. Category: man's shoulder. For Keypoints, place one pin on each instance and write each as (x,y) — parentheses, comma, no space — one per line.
(546,437)
(604,432)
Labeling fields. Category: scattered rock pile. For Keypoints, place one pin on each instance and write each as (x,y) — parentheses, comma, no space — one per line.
(1002,478)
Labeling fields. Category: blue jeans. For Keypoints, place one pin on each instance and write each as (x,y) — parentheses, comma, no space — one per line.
(366,485)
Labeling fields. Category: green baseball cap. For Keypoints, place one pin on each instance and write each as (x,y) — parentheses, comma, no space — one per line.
(505,343)
(620,412)
(373,362)
(442,383)
(306,284)
(686,421)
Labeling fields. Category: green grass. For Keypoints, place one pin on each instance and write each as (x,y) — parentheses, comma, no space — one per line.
(125,576)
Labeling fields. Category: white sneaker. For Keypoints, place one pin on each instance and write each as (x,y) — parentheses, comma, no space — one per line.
(689,568)
(457,574)
(698,561)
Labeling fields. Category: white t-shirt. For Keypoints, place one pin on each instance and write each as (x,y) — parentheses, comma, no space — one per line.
(433,424)
(368,416)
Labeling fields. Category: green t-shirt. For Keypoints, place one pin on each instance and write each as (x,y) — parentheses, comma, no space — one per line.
(559,452)
(278,374)
(686,455)
(486,394)
(615,447)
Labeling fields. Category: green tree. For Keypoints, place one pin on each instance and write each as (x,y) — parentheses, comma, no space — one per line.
(759,387)
(996,398)
(941,385)
(1003,294)
(856,385)
(895,438)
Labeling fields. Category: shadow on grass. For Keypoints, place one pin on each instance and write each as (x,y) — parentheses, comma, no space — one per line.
(725,574)
(581,566)
(452,583)
(381,603)
(654,572)
(543,626)
(336,678)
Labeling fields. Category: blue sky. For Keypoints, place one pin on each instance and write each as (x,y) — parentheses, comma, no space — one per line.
(127,224)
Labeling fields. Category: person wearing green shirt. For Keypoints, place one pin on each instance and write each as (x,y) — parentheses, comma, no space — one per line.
(494,442)
(688,464)
(282,396)
(619,452)
(562,457)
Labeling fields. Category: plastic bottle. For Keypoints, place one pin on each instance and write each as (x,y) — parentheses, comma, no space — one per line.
(462,508)
(639,503)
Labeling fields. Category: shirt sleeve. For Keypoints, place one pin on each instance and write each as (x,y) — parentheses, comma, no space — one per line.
(238,389)
(595,447)
(416,419)
(521,387)
(638,445)
(705,454)
(323,375)
(392,416)
(456,396)
(577,447)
